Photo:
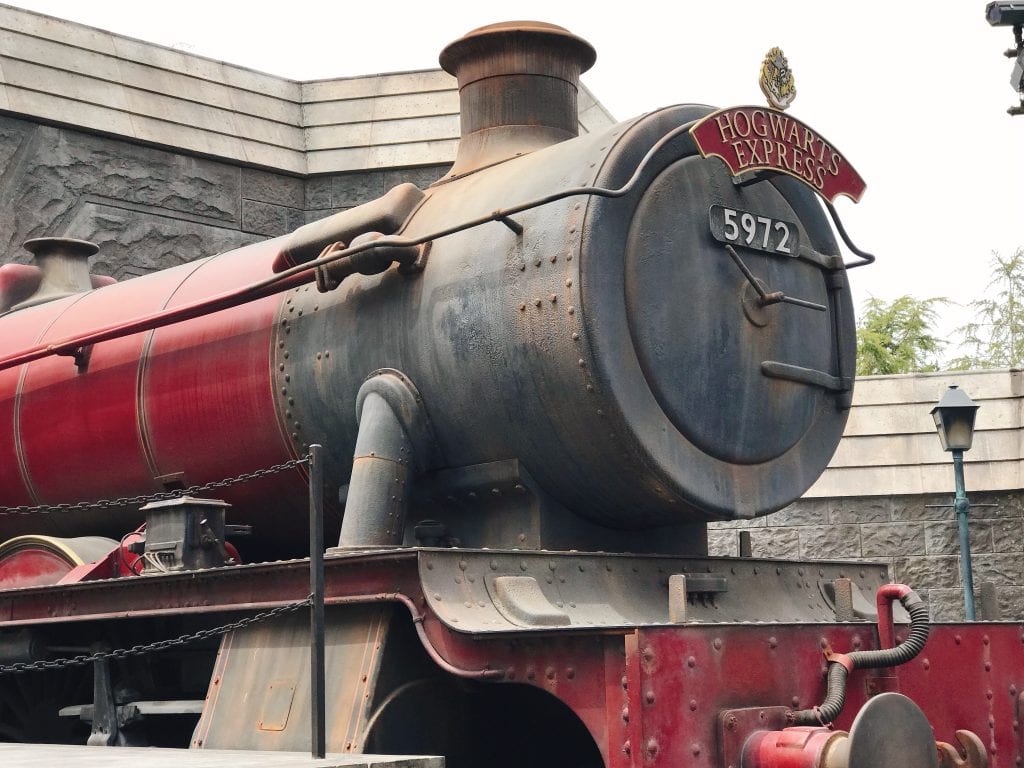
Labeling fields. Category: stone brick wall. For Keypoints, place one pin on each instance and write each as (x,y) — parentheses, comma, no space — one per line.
(917,541)
(150,208)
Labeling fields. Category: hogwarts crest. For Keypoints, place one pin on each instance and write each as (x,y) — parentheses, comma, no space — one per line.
(777,81)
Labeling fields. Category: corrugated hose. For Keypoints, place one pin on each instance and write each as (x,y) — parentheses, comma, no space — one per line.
(840,665)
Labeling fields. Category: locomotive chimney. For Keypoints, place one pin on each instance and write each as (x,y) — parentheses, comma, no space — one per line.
(518,83)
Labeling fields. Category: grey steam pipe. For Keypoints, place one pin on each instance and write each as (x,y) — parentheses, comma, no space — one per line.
(393,444)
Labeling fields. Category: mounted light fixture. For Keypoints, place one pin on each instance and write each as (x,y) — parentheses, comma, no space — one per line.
(954,421)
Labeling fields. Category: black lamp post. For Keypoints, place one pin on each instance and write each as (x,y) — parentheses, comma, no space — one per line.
(954,421)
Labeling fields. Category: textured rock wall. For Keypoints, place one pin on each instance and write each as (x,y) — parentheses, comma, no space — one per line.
(916,536)
(149,208)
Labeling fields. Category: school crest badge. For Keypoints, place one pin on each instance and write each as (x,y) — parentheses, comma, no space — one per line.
(777,81)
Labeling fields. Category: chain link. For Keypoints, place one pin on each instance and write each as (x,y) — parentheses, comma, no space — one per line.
(159,645)
(131,501)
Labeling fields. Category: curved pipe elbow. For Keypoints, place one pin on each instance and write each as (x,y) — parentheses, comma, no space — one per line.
(394,442)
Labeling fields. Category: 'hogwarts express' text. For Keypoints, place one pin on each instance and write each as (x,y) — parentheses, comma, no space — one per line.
(755,138)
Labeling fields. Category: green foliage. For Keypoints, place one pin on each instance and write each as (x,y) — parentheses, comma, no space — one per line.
(996,338)
(896,336)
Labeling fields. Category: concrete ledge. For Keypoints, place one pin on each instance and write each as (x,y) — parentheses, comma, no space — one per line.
(34,755)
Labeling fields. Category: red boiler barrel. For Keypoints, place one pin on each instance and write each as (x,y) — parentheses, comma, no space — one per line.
(181,405)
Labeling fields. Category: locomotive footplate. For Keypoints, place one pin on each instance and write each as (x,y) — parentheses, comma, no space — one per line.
(629,650)
(484,591)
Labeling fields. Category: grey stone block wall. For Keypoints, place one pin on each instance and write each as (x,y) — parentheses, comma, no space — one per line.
(917,541)
(150,208)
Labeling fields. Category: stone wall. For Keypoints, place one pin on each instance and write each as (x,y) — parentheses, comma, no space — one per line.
(918,542)
(150,208)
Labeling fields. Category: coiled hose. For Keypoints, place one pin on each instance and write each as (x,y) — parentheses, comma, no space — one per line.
(840,666)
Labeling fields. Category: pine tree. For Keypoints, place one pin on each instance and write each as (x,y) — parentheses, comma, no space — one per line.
(897,337)
(996,338)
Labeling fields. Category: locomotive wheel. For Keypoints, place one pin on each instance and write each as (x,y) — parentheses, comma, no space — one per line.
(441,716)
(31,561)
(29,703)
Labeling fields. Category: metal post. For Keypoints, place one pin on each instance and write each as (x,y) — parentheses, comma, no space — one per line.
(962,507)
(317,673)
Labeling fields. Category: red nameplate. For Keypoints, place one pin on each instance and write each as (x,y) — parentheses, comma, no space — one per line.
(761,139)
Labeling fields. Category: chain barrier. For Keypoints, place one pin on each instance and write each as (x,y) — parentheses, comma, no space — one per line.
(131,501)
(159,645)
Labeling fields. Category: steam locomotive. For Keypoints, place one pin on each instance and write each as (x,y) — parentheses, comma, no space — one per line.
(517,397)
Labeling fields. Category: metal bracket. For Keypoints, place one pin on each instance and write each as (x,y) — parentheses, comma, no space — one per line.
(509,222)
(741,180)
(766,296)
(803,375)
(81,356)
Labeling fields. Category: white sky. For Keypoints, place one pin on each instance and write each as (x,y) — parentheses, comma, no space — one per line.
(914,94)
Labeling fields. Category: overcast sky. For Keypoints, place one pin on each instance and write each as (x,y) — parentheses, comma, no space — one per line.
(916,99)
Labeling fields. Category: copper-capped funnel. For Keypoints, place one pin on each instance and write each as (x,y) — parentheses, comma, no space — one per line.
(518,84)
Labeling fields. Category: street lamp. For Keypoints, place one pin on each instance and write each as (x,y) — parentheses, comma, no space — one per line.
(954,421)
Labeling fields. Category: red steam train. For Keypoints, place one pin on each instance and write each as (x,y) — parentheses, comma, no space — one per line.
(514,399)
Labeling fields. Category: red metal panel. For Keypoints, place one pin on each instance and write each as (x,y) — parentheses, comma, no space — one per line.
(79,429)
(19,330)
(207,394)
(968,677)
(971,676)
(193,399)
(690,674)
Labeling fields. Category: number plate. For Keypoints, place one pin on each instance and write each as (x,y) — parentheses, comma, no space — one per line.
(751,230)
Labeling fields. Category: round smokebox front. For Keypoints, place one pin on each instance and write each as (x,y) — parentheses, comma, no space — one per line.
(721,390)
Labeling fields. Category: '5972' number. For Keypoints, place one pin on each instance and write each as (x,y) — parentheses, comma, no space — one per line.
(733,226)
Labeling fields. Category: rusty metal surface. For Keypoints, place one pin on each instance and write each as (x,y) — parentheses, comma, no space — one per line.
(688,676)
(604,590)
(259,696)
(654,689)
(736,726)
(673,398)
(486,592)
(979,671)
(237,588)
(540,63)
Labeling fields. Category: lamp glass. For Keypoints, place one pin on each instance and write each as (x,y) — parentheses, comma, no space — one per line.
(958,431)
(954,419)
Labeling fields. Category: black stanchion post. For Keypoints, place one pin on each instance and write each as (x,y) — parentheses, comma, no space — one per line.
(318,706)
